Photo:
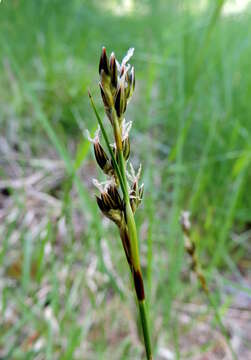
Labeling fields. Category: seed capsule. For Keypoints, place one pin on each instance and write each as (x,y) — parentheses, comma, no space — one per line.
(100,155)
(102,159)
(103,63)
(114,72)
(117,102)
(120,101)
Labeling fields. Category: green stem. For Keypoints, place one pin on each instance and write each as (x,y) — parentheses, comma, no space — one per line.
(133,238)
(145,328)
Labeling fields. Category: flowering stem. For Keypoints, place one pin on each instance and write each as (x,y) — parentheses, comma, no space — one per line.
(117,84)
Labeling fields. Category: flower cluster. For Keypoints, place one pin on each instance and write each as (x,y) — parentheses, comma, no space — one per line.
(117,83)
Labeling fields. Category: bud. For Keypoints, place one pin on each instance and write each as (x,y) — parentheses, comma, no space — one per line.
(102,159)
(114,72)
(120,102)
(126,148)
(103,63)
(100,155)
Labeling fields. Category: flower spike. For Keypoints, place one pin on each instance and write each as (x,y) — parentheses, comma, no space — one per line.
(121,194)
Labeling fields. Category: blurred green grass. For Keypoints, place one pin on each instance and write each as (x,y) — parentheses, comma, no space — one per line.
(192,133)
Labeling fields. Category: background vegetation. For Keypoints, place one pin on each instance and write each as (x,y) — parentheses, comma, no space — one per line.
(64,286)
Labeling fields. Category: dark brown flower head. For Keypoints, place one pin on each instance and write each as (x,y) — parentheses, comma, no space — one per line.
(110,202)
(101,157)
(114,194)
(109,195)
(103,63)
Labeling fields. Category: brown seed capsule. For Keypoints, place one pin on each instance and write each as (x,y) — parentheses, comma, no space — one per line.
(117,102)
(120,101)
(103,63)
(100,155)
(113,70)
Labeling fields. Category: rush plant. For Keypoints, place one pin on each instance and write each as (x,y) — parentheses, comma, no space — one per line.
(190,248)
(121,194)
